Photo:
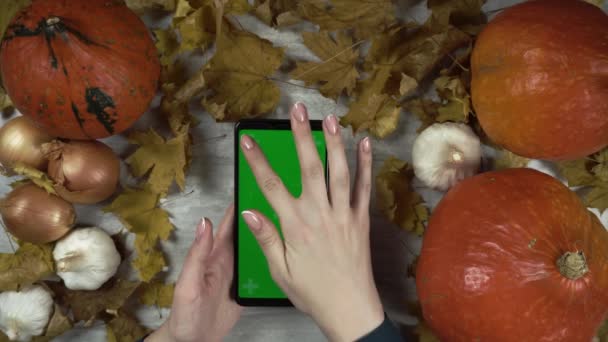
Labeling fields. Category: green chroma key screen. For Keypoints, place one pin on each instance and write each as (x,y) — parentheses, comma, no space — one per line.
(254,280)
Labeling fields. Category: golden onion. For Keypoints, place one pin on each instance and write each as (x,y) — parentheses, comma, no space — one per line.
(31,214)
(85,172)
(20,142)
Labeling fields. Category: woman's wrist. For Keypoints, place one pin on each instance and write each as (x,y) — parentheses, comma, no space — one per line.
(352,321)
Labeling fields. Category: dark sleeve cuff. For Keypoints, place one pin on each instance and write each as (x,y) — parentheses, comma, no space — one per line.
(386,332)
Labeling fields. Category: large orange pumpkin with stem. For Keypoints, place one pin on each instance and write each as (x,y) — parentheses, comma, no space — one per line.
(540,79)
(513,255)
(81,69)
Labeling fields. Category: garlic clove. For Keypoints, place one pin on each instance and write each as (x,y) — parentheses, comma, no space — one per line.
(26,313)
(446,153)
(86,258)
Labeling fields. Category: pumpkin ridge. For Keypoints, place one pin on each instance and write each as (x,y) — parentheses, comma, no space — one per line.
(79,119)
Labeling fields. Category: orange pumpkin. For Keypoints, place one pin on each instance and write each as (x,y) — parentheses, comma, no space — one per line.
(540,79)
(81,69)
(513,255)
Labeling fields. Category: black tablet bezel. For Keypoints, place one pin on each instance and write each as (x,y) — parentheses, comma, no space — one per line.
(268,124)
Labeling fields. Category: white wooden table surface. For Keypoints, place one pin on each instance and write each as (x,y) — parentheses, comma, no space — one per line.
(209,189)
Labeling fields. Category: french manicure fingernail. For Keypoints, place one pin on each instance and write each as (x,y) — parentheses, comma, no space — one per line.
(332,124)
(299,112)
(366,144)
(252,220)
(247,142)
(200,230)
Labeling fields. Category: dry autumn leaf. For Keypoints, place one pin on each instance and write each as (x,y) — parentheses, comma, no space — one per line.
(601,169)
(598,3)
(165,160)
(396,198)
(140,6)
(37,177)
(456,104)
(8,9)
(197,29)
(407,85)
(426,111)
(365,17)
(86,305)
(602,333)
(271,11)
(150,260)
(463,14)
(239,74)
(336,72)
(5,101)
(379,115)
(124,328)
(421,51)
(577,172)
(507,159)
(59,324)
(28,265)
(597,197)
(138,210)
(157,293)
(167,44)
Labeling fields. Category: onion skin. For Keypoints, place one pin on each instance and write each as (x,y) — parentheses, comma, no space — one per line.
(33,215)
(85,172)
(20,142)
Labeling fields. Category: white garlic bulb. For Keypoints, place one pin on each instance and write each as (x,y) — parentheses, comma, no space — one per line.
(86,258)
(446,153)
(25,314)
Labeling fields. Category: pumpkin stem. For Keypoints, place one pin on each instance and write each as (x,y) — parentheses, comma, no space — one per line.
(572,265)
(52,21)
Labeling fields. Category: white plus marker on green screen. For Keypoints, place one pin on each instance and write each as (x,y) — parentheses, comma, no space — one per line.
(250,286)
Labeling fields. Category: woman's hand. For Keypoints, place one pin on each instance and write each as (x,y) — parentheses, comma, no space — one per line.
(324,263)
(202,307)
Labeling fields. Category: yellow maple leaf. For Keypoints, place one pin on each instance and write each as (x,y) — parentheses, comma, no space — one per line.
(29,264)
(366,17)
(167,44)
(138,210)
(197,29)
(165,160)
(407,85)
(466,15)
(150,260)
(396,198)
(8,9)
(598,3)
(37,177)
(275,12)
(425,109)
(239,74)
(508,159)
(456,104)
(379,115)
(5,102)
(124,328)
(157,293)
(337,71)
(140,6)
